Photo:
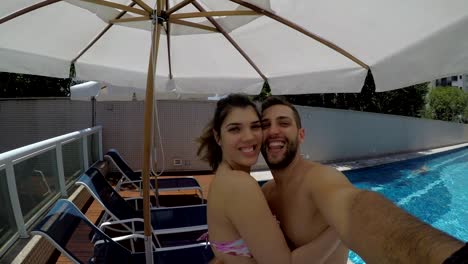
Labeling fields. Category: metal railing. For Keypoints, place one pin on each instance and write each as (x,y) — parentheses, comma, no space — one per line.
(33,177)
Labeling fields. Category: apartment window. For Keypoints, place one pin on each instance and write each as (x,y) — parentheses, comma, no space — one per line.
(443,82)
(454,78)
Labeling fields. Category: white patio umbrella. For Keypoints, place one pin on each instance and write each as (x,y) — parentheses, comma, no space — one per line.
(223,46)
(403,43)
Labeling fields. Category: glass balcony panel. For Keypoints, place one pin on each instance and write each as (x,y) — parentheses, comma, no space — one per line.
(7,221)
(72,154)
(36,182)
(93,148)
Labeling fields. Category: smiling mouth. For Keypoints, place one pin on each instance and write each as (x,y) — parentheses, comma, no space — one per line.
(276,144)
(249,149)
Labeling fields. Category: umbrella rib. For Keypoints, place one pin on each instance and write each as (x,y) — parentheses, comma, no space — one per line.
(302,30)
(192,24)
(100,35)
(168,39)
(118,6)
(143,5)
(215,13)
(178,6)
(27,10)
(130,19)
(230,39)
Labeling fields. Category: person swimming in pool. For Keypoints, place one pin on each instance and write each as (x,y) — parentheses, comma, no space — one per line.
(241,227)
(424,169)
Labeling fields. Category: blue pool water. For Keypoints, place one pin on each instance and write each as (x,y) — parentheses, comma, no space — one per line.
(438,196)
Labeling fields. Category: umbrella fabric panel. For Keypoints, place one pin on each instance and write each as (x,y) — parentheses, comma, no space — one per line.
(295,63)
(436,56)
(404,42)
(44,42)
(9,7)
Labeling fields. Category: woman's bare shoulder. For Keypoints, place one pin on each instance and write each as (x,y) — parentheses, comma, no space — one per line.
(236,176)
(236,182)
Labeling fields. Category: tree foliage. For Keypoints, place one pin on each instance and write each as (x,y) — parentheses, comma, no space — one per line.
(447,103)
(406,101)
(465,115)
(13,85)
(266,91)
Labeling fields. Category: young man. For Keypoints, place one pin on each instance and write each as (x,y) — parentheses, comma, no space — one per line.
(308,198)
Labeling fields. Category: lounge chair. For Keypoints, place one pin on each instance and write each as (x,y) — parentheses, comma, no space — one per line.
(164,220)
(82,242)
(129,176)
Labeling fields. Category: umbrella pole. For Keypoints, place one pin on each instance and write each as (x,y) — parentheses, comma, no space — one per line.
(149,101)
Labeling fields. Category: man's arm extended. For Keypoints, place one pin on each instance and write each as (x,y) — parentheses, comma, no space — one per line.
(373,226)
(399,237)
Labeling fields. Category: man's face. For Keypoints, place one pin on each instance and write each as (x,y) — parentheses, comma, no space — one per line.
(281,137)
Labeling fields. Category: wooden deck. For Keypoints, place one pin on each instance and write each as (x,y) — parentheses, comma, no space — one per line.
(95,211)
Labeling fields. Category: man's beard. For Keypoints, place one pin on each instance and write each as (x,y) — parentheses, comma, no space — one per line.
(291,150)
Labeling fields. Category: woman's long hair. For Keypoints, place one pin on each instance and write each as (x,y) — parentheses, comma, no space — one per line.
(208,149)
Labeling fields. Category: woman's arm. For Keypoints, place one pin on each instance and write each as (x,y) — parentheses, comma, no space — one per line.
(318,250)
(248,210)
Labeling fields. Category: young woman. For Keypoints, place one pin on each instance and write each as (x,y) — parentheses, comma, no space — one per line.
(241,226)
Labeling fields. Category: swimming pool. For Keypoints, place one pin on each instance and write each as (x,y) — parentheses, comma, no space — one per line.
(432,188)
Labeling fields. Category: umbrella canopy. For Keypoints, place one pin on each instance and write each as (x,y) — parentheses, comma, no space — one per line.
(402,42)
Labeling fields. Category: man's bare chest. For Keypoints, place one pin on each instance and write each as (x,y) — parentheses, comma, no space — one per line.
(299,218)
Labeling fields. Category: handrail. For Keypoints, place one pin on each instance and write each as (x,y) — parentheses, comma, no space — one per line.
(29,149)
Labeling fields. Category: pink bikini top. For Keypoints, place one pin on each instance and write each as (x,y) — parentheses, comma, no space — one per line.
(235,248)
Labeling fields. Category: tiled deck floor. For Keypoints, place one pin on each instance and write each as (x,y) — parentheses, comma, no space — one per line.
(95,210)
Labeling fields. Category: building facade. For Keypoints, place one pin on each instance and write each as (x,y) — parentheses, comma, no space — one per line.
(460,81)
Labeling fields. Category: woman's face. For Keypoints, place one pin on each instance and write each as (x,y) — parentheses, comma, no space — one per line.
(241,138)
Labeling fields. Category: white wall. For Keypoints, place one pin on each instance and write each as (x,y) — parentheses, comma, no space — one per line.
(180,122)
(340,134)
(330,134)
(24,122)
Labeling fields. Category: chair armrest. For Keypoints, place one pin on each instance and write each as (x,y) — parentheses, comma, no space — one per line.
(135,181)
(202,244)
(126,221)
(125,237)
(132,198)
(180,230)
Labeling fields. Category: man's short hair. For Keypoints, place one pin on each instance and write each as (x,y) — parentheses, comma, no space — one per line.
(281,100)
